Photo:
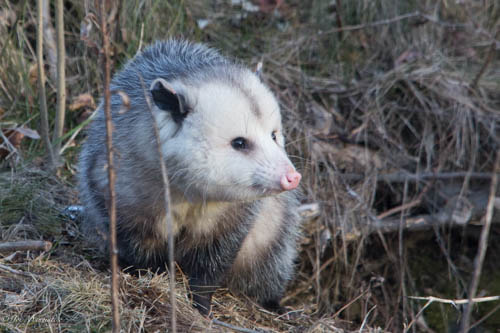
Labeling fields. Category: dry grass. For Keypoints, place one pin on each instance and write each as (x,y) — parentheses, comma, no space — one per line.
(401,90)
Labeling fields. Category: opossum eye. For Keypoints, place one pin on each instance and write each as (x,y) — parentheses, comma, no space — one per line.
(239,143)
(273,135)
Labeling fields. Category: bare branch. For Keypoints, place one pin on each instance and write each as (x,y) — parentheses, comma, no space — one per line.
(44,119)
(232,327)
(27,245)
(168,213)
(338,11)
(454,302)
(61,80)
(111,172)
(400,177)
(373,24)
(50,41)
(12,270)
(457,301)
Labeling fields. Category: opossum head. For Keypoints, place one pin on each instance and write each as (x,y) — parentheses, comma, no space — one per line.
(222,137)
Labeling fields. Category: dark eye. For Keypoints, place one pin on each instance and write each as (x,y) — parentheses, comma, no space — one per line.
(239,143)
(273,135)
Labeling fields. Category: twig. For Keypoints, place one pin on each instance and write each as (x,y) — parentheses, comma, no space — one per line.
(483,245)
(13,271)
(407,205)
(50,42)
(419,222)
(338,7)
(44,119)
(400,208)
(419,313)
(373,24)
(168,213)
(454,302)
(111,173)
(399,177)
(350,303)
(76,132)
(365,320)
(234,328)
(26,245)
(61,80)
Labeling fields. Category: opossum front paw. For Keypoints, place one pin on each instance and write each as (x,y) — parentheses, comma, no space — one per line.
(203,303)
(202,296)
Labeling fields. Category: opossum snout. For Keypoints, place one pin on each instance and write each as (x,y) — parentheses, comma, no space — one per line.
(290,180)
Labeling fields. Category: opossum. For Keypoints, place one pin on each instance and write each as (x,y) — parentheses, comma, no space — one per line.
(233,187)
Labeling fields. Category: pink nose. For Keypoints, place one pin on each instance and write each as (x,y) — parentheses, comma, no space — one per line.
(290,180)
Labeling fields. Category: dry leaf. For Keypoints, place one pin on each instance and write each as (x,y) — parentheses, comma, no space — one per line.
(33,74)
(30,133)
(82,101)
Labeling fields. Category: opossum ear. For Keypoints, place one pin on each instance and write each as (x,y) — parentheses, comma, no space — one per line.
(167,99)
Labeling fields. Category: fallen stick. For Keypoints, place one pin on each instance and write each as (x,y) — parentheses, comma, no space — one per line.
(456,301)
(27,245)
(12,270)
(400,177)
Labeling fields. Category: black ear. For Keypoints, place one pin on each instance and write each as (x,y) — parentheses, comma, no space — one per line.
(165,98)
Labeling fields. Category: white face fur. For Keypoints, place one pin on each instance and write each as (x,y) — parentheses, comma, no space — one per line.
(230,144)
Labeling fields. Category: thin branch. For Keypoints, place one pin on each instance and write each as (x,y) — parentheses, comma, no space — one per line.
(483,245)
(61,79)
(168,213)
(44,118)
(400,208)
(232,327)
(457,301)
(419,313)
(454,302)
(27,245)
(400,177)
(407,205)
(338,11)
(50,42)
(374,24)
(365,320)
(111,172)
(12,270)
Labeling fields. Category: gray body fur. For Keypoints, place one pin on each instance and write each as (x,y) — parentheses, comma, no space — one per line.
(208,257)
